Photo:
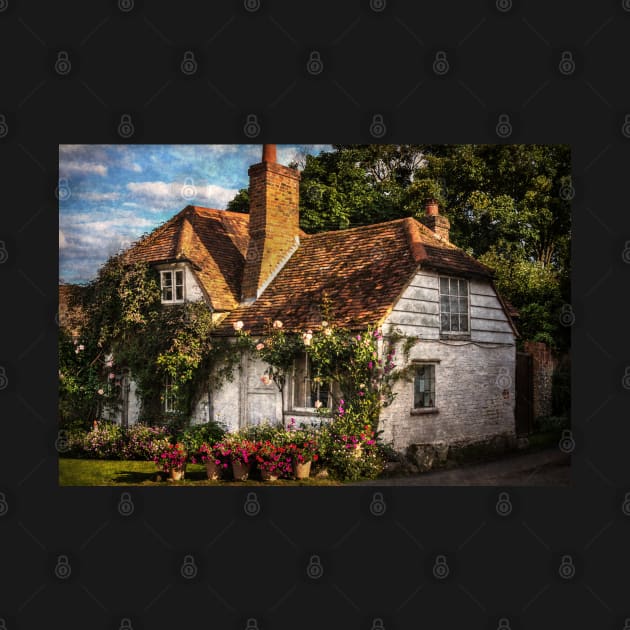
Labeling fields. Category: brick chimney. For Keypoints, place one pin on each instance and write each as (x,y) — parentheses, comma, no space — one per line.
(436,222)
(274,192)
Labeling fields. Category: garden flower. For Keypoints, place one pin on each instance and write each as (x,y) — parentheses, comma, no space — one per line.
(238,325)
(370,365)
(112,375)
(260,346)
(306,337)
(324,324)
(358,337)
(266,379)
(100,392)
(318,404)
(277,324)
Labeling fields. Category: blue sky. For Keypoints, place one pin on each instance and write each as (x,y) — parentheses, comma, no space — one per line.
(112,194)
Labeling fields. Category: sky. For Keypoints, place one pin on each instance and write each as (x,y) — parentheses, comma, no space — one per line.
(109,195)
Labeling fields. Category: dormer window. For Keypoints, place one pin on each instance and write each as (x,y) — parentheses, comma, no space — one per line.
(172,284)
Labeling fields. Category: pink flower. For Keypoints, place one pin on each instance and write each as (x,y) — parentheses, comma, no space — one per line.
(277,324)
(238,325)
(100,392)
(260,346)
(370,365)
(112,375)
(358,337)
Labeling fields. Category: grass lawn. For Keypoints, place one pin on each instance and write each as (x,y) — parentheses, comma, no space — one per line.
(100,472)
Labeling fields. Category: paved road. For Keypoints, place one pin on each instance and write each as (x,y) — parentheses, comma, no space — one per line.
(542,468)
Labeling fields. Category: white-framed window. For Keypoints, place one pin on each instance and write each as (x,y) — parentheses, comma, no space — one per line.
(168,395)
(454,306)
(424,386)
(309,392)
(172,285)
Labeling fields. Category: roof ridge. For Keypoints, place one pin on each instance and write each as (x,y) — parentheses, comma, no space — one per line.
(242,215)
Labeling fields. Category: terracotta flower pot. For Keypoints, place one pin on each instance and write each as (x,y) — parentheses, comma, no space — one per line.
(213,470)
(303,470)
(266,475)
(177,474)
(240,471)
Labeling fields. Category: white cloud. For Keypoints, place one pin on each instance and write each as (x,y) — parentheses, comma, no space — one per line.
(158,195)
(81,168)
(62,240)
(96,196)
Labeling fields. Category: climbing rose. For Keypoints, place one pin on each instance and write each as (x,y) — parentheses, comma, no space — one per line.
(318,404)
(100,392)
(277,324)
(260,346)
(238,325)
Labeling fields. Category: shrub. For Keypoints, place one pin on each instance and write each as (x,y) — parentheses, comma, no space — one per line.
(143,442)
(104,441)
(194,436)
(350,457)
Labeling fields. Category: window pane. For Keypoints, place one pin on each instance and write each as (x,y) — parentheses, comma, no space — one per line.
(179,292)
(455,323)
(179,277)
(463,323)
(463,287)
(167,279)
(454,285)
(424,386)
(444,321)
(462,305)
(444,286)
(445,304)
(167,294)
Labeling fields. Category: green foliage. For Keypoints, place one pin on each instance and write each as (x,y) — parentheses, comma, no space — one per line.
(194,436)
(125,317)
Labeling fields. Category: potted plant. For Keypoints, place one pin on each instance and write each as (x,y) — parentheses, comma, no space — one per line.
(216,457)
(274,461)
(305,449)
(242,453)
(172,460)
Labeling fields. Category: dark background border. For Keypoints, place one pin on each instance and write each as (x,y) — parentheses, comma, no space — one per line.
(377,59)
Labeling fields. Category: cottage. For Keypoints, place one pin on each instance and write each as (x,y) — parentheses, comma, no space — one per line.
(401,275)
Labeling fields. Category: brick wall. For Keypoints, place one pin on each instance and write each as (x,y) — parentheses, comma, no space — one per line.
(543,366)
(273,222)
(474,391)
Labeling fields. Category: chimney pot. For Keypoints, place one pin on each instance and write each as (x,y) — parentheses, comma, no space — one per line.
(432,209)
(269,153)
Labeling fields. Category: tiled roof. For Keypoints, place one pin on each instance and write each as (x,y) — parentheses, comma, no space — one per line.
(214,241)
(363,271)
